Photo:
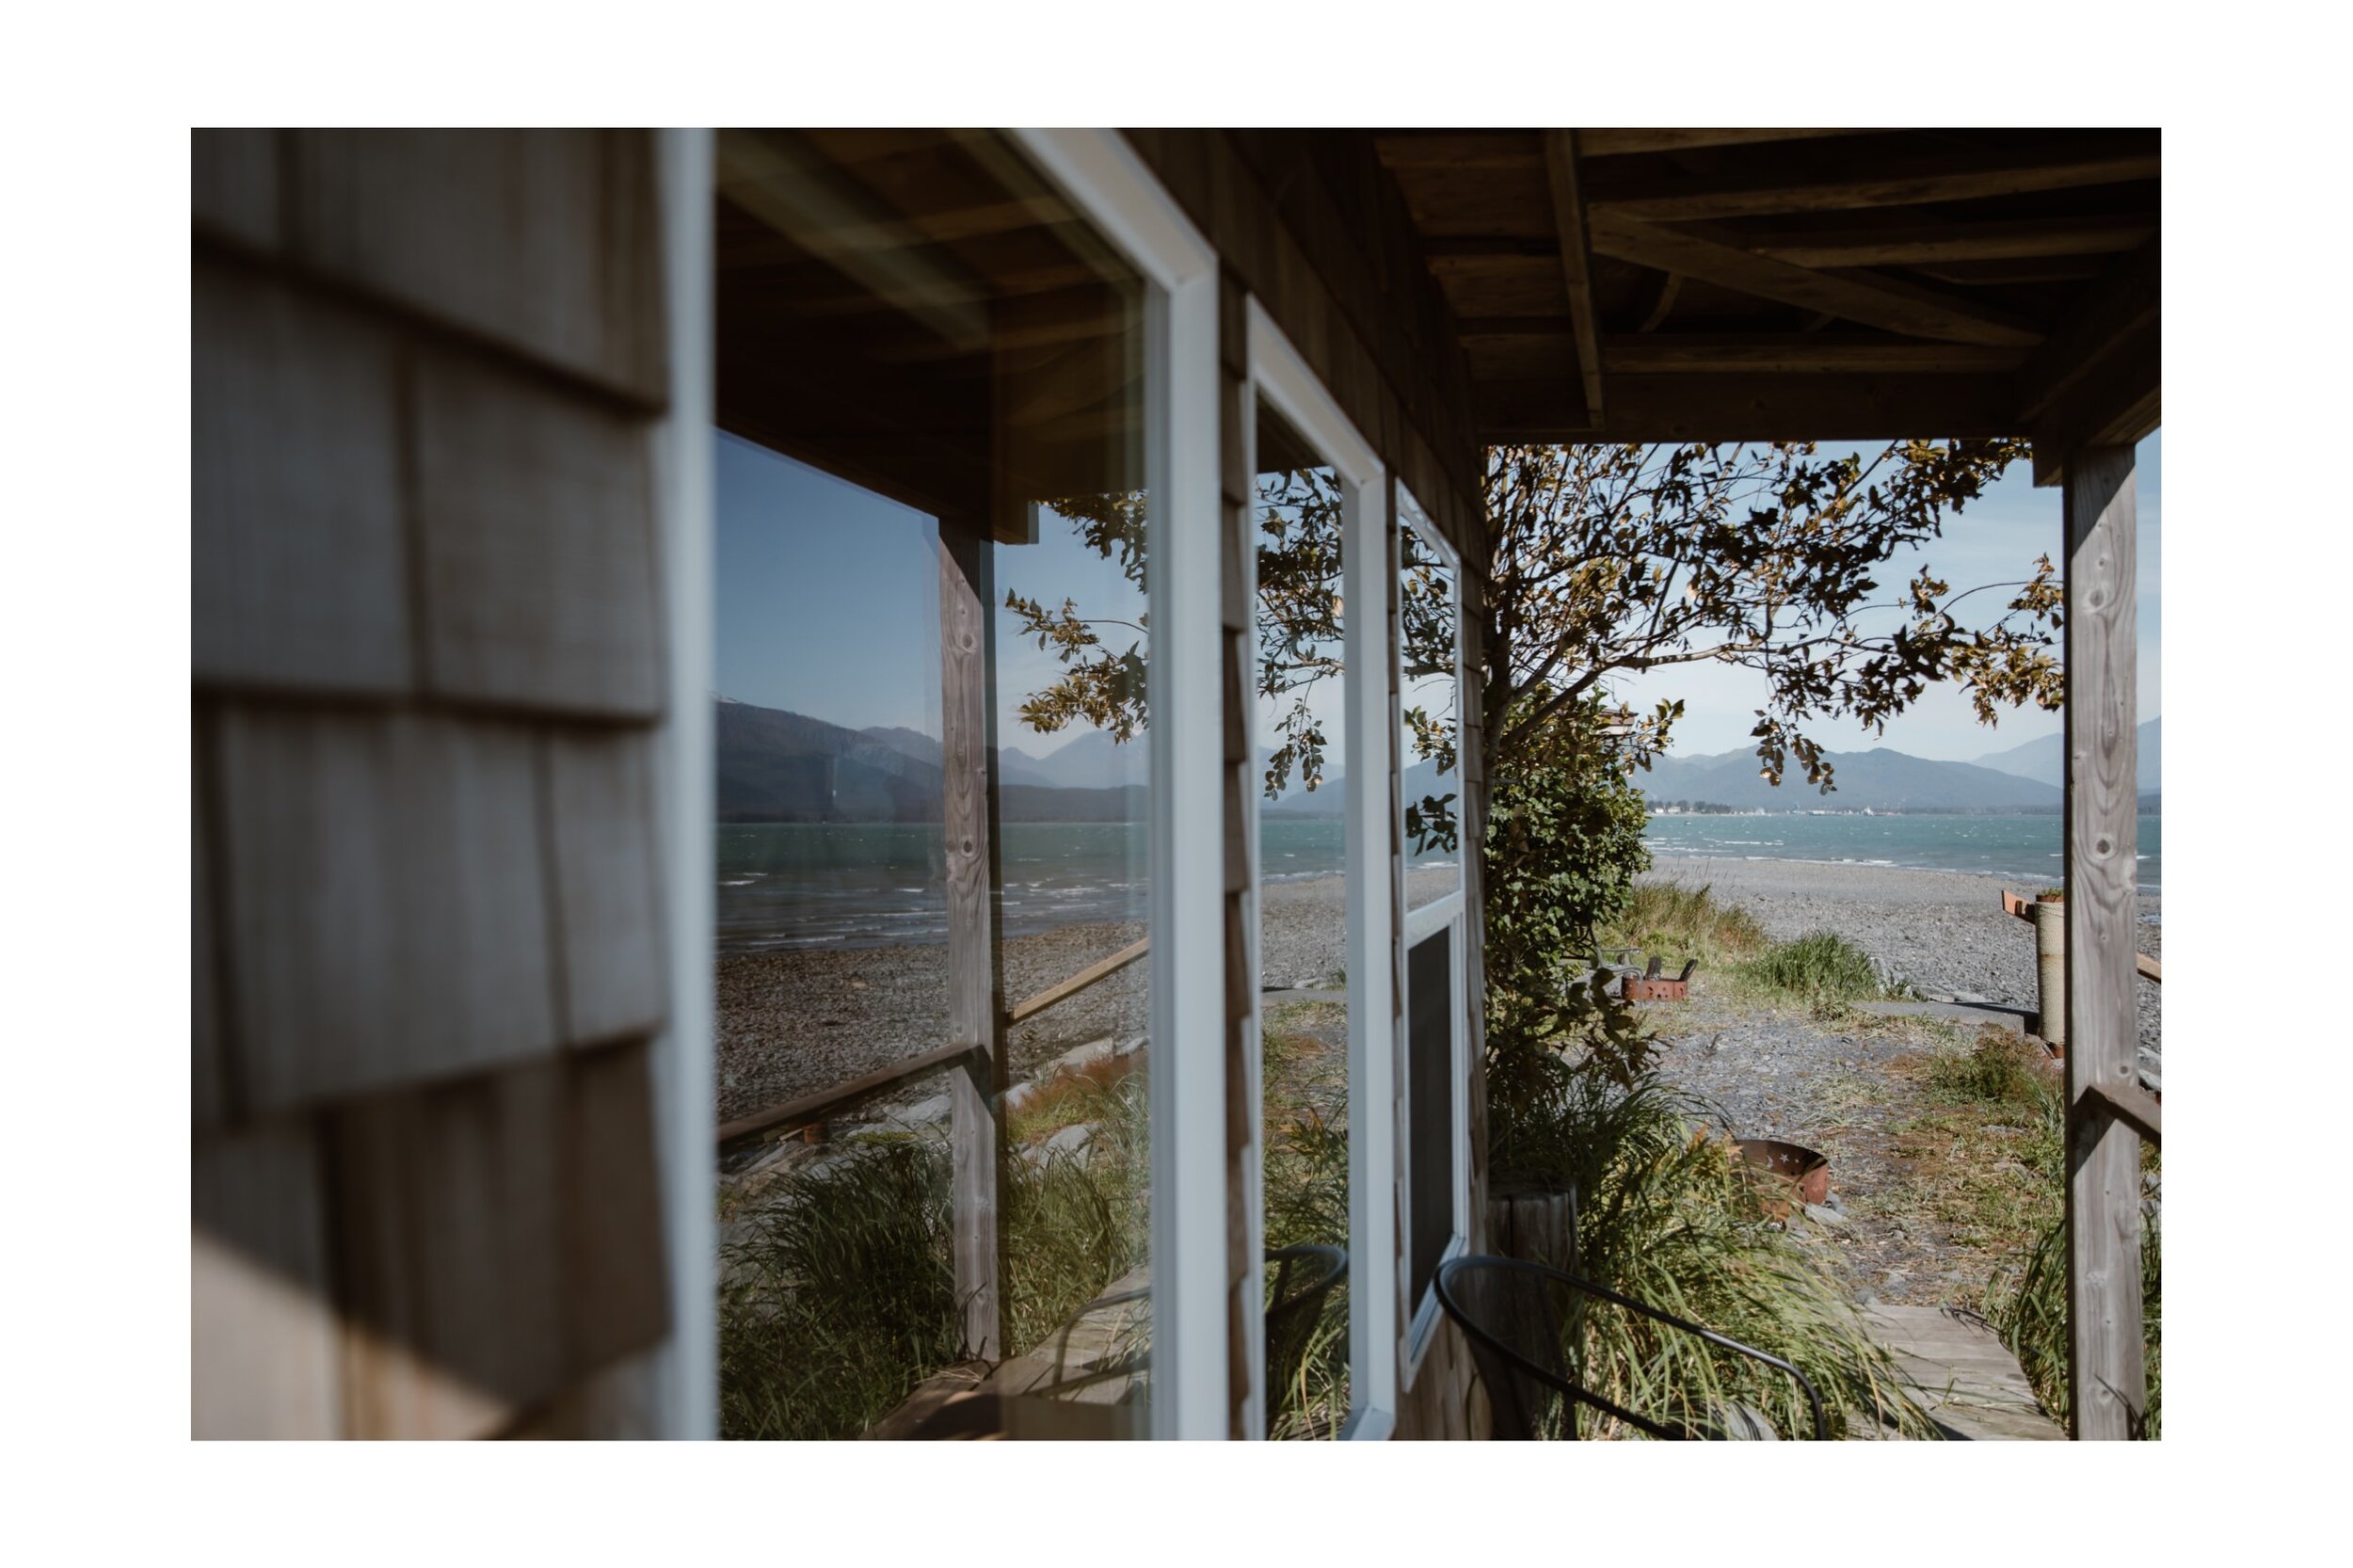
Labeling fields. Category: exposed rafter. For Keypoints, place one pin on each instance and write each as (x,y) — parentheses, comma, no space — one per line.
(1871,300)
(1883,182)
(1568,217)
(1916,245)
(1605,144)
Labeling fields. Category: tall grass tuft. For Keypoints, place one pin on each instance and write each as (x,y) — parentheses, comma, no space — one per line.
(1672,1218)
(842,1298)
(1820,966)
(2033,1320)
(1679,922)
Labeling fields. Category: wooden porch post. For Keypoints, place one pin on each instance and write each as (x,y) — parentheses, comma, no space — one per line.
(2107,1389)
(975,977)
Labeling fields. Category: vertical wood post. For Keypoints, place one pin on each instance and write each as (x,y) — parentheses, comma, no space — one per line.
(975,977)
(2107,1389)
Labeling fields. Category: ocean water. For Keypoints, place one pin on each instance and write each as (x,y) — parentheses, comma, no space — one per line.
(2022,848)
(809,884)
(851,885)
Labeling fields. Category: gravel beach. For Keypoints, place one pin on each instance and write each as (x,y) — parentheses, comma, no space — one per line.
(793,1023)
(1943,931)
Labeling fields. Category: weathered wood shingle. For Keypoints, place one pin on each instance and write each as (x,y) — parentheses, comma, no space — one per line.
(300,571)
(608,903)
(547,242)
(538,535)
(264,1342)
(234,187)
(385,900)
(451,1207)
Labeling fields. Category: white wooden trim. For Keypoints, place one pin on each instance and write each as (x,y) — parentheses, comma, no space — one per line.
(1105,180)
(1450,911)
(1278,373)
(685,1400)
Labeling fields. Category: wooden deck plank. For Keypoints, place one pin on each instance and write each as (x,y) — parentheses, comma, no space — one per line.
(1967,1379)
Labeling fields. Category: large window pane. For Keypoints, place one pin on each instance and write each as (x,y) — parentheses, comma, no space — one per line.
(932,799)
(1302,916)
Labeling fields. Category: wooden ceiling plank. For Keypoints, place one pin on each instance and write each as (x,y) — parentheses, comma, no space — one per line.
(2125,302)
(1916,245)
(1568,216)
(2065,164)
(1873,301)
(1614,143)
(1757,407)
(1797,354)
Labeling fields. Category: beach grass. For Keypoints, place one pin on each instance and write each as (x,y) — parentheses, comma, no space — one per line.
(1670,1216)
(1679,922)
(1985,1160)
(1820,968)
(842,1298)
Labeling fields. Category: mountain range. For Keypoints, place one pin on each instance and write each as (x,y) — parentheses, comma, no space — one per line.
(2046,759)
(774,765)
(1880,780)
(2023,778)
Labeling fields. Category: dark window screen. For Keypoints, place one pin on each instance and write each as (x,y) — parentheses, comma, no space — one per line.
(1430,1079)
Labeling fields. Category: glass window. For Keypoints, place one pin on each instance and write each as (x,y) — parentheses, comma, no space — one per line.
(1302,933)
(1429,618)
(932,799)
(1436,1059)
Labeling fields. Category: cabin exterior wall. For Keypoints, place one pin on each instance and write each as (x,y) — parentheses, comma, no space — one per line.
(433,1025)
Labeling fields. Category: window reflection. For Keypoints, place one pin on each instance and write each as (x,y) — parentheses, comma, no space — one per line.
(1303,917)
(932,794)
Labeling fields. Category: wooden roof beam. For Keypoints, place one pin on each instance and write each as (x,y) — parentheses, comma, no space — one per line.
(1613,143)
(1797,354)
(1754,406)
(1568,217)
(1871,300)
(1923,244)
(2067,163)
(2123,302)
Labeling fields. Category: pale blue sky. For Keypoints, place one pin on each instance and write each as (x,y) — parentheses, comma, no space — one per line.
(828,605)
(1995,540)
(829,600)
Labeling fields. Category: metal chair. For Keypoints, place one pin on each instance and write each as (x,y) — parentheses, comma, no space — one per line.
(1516,1318)
(1298,1279)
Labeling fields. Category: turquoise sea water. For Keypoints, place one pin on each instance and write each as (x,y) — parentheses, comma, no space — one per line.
(2022,848)
(800,885)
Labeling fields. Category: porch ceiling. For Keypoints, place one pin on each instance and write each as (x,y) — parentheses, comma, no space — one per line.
(1757,284)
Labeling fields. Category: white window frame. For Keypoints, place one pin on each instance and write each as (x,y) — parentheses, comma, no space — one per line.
(1110,184)
(1450,912)
(1280,375)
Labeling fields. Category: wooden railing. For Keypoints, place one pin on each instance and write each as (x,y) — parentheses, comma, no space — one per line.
(806,1108)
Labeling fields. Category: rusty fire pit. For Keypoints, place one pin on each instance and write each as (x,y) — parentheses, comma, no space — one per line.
(1653,986)
(1805,1170)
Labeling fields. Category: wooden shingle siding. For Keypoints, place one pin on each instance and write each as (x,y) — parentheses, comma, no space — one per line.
(608,907)
(535,515)
(546,241)
(299,556)
(616,1288)
(234,187)
(385,902)
(450,1204)
(208,1085)
(429,677)
(264,1340)
(502,1239)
